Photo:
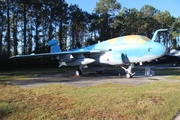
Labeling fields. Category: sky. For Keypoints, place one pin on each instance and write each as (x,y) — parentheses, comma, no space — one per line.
(173,6)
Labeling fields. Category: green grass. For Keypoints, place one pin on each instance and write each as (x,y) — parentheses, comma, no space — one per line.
(173,74)
(156,100)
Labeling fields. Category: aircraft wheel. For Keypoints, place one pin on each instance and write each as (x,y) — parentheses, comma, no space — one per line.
(78,72)
(174,64)
(128,76)
(99,72)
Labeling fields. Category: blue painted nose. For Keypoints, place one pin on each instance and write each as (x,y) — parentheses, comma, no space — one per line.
(157,49)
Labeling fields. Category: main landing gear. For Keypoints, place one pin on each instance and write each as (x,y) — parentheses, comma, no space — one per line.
(175,64)
(128,71)
(78,72)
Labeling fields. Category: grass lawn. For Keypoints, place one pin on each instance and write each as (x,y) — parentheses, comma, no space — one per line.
(156,100)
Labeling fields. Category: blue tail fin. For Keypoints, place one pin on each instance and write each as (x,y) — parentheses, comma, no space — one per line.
(54,46)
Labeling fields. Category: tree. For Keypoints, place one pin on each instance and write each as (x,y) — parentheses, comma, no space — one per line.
(2,17)
(176,33)
(77,27)
(165,20)
(14,29)
(37,6)
(131,21)
(106,10)
(147,12)
(8,39)
(2,23)
(62,14)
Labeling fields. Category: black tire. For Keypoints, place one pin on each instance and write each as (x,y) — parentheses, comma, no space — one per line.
(128,75)
(78,72)
(99,72)
(174,64)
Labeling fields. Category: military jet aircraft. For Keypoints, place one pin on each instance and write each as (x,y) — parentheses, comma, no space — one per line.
(174,56)
(124,50)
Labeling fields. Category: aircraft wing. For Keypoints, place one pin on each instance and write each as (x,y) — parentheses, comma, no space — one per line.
(172,57)
(62,55)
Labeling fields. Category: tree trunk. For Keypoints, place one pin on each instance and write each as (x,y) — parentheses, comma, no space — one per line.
(8,31)
(25,21)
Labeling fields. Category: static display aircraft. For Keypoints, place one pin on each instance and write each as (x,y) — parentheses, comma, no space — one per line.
(174,55)
(124,50)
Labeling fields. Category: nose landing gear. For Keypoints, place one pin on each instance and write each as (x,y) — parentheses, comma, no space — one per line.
(129,73)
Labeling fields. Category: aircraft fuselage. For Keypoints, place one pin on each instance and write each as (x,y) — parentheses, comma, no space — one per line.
(126,49)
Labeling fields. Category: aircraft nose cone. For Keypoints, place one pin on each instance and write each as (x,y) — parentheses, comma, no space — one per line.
(162,50)
(158,49)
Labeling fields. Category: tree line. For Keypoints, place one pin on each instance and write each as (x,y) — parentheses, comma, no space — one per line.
(27,25)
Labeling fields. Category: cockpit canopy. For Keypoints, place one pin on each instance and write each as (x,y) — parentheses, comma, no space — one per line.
(129,40)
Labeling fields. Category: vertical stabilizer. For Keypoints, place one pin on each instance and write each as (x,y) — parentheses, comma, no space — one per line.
(54,46)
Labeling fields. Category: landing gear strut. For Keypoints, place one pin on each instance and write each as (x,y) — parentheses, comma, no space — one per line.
(128,71)
(79,71)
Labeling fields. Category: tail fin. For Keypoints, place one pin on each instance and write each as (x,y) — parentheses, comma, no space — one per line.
(54,46)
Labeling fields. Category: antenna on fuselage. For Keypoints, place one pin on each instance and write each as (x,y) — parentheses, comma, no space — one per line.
(156,32)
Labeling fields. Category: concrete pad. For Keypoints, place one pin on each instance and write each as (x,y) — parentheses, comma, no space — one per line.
(88,79)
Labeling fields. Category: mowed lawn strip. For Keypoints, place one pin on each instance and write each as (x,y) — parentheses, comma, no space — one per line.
(156,100)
